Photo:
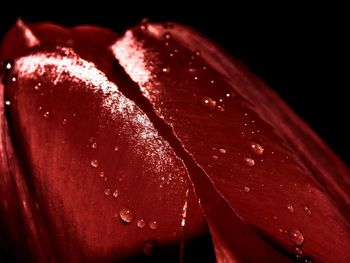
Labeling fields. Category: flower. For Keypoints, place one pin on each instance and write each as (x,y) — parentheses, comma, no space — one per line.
(157,145)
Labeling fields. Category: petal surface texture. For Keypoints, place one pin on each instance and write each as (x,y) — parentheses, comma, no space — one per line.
(107,185)
(269,166)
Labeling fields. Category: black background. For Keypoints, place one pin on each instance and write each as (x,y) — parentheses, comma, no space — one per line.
(300,51)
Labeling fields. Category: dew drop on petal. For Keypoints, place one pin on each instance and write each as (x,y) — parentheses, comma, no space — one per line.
(307,210)
(64,121)
(8,65)
(167,36)
(166,70)
(37,86)
(149,247)
(290,208)
(215,157)
(246,189)
(94,145)
(296,237)
(94,163)
(144,24)
(153,225)
(297,251)
(14,78)
(222,151)
(102,174)
(305,259)
(127,215)
(47,115)
(141,223)
(256,148)
(249,161)
(116,148)
(116,193)
(7,103)
(107,191)
(208,103)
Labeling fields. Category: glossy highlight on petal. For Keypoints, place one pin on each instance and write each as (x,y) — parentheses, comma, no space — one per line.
(250,177)
(157,146)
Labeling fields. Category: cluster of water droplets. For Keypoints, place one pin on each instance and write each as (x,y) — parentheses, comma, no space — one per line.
(6,69)
(126,214)
(296,237)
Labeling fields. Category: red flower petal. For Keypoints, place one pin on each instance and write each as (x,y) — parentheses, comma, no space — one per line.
(250,159)
(107,185)
(275,172)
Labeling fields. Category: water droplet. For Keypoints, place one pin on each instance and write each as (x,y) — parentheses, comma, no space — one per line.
(246,189)
(116,148)
(153,225)
(256,148)
(215,157)
(290,208)
(94,163)
(127,215)
(165,70)
(297,251)
(47,115)
(8,64)
(116,193)
(307,210)
(107,191)
(167,36)
(230,95)
(212,82)
(102,174)
(305,259)
(64,122)
(249,161)
(37,86)
(296,237)
(195,78)
(7,103)
(94,145)
(149,247)
(198,53)
(14,78)
(208,103)
(144,24)
(141,223)
(222,151)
